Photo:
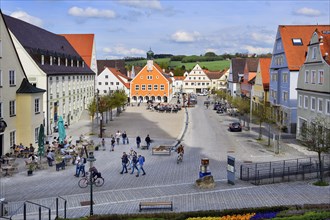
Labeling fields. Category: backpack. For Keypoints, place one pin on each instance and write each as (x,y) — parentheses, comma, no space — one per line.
(144,160)
(85,161)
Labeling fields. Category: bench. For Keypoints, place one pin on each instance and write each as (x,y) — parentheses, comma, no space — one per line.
(160,205)
(161,150)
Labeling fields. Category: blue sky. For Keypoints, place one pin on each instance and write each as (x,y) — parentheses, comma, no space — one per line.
(180,27)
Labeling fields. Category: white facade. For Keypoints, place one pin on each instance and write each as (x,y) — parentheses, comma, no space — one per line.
(177,84)
(108,82)
(196,81)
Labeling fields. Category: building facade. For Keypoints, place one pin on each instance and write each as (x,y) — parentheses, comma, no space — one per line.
(110,80)
(20,102)
(51,63)
(196,81)
(314,81)
(260,93)
(289,52)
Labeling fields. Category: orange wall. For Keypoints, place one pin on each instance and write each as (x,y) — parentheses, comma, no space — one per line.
(157,78)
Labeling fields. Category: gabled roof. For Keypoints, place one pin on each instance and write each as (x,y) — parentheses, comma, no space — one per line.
(37,41)
(213,74)
(27,88)
(179,77)
(237,65)
(118,64)
(252,64)
(83,44)
(295,54)
(118,75)
(264,69)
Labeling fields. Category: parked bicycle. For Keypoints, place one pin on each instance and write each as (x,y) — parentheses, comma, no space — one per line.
(96,180)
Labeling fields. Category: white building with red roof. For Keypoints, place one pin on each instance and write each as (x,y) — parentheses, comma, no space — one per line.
(110,80)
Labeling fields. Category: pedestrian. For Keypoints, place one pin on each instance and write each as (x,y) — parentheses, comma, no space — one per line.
(124,161)
(134,163)
(81,169)
(77,162)
(148,140)
(103,143)
(113,141)
(141,161)
(124,137)
(138,141)
(118,134)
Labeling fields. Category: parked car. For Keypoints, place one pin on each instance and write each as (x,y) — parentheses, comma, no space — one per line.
(235,126)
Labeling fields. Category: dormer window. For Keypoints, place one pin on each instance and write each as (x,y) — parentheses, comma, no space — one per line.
(50,60)
(77,63)
(71,63)
(83,64)
(42,59)
(66,61)
(58,61)
(297,41)
(314,53)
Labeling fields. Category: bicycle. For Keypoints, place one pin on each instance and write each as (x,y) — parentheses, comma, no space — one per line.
(85,181)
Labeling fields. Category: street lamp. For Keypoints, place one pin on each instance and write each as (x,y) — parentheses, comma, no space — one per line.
(91,159)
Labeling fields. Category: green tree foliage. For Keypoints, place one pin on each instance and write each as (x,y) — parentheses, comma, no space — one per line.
(210,54)
(262,114)
(177,58)
(316,137)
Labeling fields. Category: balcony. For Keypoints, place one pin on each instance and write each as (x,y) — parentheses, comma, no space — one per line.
(275,102)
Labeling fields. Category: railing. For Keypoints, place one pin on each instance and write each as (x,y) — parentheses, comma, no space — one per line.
(286,170)
(39,210)
(65,203)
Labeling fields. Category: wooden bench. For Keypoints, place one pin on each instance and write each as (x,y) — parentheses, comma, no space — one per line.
(161,150)
(160,205)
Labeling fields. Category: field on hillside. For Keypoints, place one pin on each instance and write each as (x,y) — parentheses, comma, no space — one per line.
(212,65)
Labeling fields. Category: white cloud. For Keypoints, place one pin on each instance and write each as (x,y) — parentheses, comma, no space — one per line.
(214,50)
(257,50)
(261,37)
(22,15)
(123,51)
(91,12)
(309,12)
(185,37)
(153,4)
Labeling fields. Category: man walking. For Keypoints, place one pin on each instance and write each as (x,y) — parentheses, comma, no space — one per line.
(134,163)
(148,140)
(124,136)
(141,162)
(118,134)
(138,141)
(124,161)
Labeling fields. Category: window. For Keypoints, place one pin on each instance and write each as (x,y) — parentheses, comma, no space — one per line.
(143,87)
(12,78)
(58,61)
(50,60)
(42,59)
(162,87)
(285,77)
(37,106)
(313,76)
(285,96)
(149,77)
(137,87)
(106,83)
(83,64)
(300,101)
(320,77)
(12,108)
(141,77)
(155,87)
(106,76)
(66,61)
(314,53)
(274,77)
(306,76)
(306,102)
(71,63)
(327,107)
(117,83)
(297,41)
(111,83)
(278,45)
(36,135)
(149,87)
(77,63)
(100,83)
(320,105)
(313,103)
(12,138)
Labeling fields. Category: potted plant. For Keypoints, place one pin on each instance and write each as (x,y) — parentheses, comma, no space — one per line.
(31,167)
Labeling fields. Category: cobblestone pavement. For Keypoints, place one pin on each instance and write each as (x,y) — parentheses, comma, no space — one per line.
(165,180)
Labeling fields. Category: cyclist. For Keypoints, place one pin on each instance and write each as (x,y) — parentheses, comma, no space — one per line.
(180,151)
(95,174)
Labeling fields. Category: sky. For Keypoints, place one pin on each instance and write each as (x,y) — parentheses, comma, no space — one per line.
(129,28)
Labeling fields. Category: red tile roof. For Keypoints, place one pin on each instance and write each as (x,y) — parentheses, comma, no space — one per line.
(295,54)
(264,69)
(118,74)
(325,47)
(179,77)
(83,44)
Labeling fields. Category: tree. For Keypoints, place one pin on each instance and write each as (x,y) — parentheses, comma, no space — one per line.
(210,54)
(316,137)
(263,114)
(243,106)
(92,109)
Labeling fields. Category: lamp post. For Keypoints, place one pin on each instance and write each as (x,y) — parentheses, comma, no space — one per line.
(91,159)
